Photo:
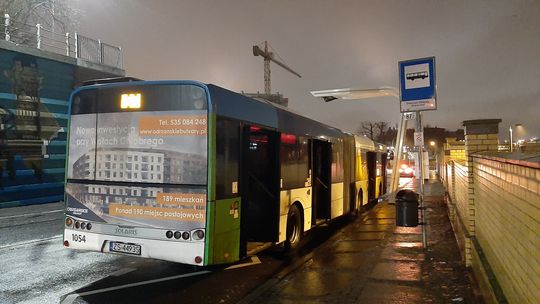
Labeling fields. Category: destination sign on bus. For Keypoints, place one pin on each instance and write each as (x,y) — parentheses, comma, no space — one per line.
(130,101)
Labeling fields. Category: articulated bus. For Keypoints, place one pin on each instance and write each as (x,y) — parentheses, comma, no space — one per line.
(193,173)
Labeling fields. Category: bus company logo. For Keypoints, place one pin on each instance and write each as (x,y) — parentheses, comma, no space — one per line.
(126,231)
(77,211)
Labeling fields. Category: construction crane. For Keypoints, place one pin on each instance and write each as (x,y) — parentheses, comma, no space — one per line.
(269,56)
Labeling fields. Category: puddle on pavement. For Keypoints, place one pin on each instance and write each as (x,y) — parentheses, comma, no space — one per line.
(397,271)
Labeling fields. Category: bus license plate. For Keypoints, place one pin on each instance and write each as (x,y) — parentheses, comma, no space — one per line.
(125,248)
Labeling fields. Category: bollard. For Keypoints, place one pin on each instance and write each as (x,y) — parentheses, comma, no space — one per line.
(406,208)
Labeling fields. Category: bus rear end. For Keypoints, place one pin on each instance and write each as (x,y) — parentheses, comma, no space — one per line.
(137,170)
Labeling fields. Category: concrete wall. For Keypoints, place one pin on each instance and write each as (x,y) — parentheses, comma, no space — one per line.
(494,208)
(34,92)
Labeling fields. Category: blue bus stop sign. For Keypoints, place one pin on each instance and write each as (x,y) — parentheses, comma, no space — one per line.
(417,86)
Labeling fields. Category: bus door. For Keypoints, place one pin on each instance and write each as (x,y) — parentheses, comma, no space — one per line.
(372,174)
(321,162)
(260,185)
(384,176)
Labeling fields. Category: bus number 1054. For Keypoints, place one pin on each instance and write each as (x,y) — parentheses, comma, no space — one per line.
(78,238)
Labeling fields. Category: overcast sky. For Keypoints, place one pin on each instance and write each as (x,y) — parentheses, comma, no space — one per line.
(487,52)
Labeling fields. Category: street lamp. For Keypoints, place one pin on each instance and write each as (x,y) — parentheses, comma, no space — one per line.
(511,136)
(348,93)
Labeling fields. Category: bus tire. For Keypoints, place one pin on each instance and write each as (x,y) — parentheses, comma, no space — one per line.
(294,229)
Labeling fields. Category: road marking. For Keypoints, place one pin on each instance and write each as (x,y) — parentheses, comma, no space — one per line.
(32,242)
(122,272)
(254,261)
(32,214)
(72,297)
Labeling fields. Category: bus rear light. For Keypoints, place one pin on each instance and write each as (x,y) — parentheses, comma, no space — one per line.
(89,226)
(83,225)
(177,235)
(185,235)
(77,224)
(198,235)
(169,234)
(198,259)
(69,221)
(66,243)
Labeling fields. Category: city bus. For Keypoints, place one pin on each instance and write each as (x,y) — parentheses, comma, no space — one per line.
(194,173)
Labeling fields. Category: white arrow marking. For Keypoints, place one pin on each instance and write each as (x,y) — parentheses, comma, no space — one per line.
(254,261)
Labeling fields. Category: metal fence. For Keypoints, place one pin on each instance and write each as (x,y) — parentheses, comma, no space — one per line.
(77,46)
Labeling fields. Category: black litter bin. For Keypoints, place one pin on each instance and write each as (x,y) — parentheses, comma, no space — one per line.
(406,208)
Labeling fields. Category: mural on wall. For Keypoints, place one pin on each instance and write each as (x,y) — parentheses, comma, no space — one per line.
(33,117)
(34,93)
(27,127)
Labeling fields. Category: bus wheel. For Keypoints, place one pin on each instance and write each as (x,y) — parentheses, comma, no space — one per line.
(294,229)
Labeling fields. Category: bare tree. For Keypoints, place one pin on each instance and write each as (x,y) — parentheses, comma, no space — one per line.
(388,137)
(367,128)
(378,131)
(56,15)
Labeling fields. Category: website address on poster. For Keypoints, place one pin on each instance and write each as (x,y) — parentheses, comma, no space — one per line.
(177,132)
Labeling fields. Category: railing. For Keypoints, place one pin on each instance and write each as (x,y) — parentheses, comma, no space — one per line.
(77,46)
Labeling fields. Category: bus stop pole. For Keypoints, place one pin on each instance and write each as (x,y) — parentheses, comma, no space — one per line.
(398,152)
(419,128)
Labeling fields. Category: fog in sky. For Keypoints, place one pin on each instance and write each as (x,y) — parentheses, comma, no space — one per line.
(487,52)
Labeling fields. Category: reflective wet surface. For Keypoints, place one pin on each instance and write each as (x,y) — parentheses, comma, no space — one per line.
(373,261)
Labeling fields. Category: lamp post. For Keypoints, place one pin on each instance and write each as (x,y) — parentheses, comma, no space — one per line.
(517,126)
(511,141)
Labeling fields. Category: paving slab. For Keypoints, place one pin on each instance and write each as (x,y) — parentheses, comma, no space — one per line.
(383,293)
(397,271)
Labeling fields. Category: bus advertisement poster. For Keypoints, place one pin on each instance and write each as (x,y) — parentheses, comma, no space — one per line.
(150,148)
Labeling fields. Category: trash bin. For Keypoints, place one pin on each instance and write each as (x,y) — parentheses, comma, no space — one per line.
(406,208)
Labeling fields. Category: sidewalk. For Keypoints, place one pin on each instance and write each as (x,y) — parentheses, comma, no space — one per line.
(373,261)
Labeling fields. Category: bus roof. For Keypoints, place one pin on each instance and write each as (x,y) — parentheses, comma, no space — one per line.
(228,103)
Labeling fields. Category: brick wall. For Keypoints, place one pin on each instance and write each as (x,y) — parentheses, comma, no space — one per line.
(459,207)
(458,153)
(494,208)
(507,198)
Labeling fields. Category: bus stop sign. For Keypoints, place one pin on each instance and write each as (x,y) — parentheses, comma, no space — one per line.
(417,86)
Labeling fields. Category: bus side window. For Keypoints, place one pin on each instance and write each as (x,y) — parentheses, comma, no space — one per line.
(227,158)
(294,161)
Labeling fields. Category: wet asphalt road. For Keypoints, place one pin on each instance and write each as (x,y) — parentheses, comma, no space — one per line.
(35,268)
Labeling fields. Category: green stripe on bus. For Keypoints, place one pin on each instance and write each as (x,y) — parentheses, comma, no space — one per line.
(210,214)
(226,241)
